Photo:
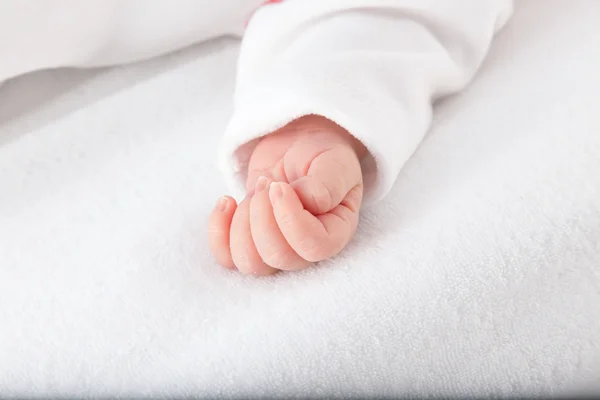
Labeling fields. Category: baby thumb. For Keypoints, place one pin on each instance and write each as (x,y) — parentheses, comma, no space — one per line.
(328,182)
(316,196)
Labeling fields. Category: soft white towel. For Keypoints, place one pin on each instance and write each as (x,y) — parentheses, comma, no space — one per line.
(478,274)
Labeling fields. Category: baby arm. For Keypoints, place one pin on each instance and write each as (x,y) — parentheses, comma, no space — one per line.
(322,83)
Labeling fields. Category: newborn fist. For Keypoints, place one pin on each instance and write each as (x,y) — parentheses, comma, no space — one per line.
(304,191)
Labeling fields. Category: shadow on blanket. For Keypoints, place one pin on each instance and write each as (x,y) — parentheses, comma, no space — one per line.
(48,95)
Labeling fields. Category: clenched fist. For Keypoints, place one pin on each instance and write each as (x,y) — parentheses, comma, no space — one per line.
(304,191)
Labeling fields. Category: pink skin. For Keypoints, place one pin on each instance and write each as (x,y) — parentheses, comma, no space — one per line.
(304,190)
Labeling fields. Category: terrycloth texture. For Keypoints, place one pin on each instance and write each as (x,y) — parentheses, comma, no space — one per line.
(478,274)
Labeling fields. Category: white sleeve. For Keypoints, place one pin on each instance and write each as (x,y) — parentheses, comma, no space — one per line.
(374,67)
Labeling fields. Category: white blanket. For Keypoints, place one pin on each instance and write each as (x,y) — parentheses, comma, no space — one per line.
(480,273)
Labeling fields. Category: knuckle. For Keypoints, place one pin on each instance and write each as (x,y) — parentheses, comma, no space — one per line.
(286,222)
(313,250)
(279,259)
(248,265)
(247,260)
(256,269)
(354,199)
(217,229)
(241,255)
(238,257)
(323,197)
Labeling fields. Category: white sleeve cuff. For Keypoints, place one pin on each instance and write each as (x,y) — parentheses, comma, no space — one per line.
(350,97)
(374,70)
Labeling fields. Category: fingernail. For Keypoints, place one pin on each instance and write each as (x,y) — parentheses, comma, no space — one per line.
(275,191)
(222,204)
(261,184)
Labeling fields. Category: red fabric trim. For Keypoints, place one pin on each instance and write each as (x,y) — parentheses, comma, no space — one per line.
(269,2)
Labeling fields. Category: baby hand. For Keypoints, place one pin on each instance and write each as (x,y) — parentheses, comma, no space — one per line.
(304,191)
